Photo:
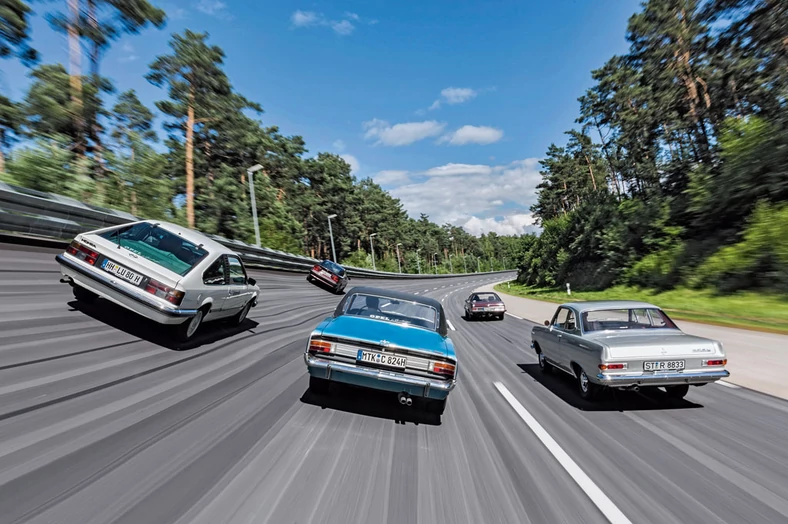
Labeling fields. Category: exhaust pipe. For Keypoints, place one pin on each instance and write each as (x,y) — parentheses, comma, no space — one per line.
(404,399)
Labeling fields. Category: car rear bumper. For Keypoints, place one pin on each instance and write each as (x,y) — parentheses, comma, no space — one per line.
(324,279)
(377,378)
(661,379)
(91,279)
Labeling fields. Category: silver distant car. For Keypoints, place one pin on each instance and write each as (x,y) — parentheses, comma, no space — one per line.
(626,345)
(161,271)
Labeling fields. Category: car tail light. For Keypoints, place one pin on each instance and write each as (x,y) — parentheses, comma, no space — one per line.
(320,346)
(316,268)
(83,253)
(444,368)
(173,296)
(335,278)
(718,362)
(605,367)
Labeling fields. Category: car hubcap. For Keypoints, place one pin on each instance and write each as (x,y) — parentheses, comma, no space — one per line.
(541,360)
(194,324)
(243,314)
(583,381)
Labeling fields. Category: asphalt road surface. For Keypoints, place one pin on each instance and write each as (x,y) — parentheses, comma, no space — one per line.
(104,421)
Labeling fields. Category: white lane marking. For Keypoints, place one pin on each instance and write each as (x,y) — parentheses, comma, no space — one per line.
(451,326)
(515,316)
(605,505)
(416,293)
(426,290)
(728,384)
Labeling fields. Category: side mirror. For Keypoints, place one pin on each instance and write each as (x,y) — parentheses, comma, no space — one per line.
(251,281)
(546,322)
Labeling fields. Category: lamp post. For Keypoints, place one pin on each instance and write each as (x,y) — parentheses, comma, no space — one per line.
(418,260)
(435,262)
(451,266)
(331,233)
(464,264)
(250,172)
(478,266)
(399,262)
(372,250)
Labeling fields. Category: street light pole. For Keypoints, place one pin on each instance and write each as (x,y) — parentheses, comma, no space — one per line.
(250,172)
(399,262)
(464,264)
(372,249)
(331,233)
(451,266)
(418,260)
(478,266)
(435,262)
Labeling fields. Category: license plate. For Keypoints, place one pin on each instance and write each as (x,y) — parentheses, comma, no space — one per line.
(393,361)
(122,272)
(325,273)
(665,365)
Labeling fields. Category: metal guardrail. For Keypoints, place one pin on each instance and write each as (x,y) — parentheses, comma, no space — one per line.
(54,220)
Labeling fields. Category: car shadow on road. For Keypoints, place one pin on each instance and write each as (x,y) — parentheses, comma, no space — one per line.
(565,387)
(369,403)
(130,323)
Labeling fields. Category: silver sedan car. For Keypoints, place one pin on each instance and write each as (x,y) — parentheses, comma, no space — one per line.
(625,345)
(161,271)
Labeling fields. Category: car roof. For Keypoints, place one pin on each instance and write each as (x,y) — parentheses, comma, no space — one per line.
(596,305)
(192,236)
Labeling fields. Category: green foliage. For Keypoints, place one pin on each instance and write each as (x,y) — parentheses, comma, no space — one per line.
(15,31)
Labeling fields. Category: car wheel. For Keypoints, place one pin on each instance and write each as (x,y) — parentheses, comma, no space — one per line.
(83,295)
(241,316)
(677,392)
(187,330)
(435,407)
(588,389)
(318,385)
(309,278)
(544,366)
(500,317)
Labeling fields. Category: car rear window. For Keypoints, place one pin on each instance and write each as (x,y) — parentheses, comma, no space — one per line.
(486,297)
(160,246)
(392,310)
(626,319)
(334,268)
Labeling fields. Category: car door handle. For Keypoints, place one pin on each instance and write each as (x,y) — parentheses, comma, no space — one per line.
(559,335)
(233,293)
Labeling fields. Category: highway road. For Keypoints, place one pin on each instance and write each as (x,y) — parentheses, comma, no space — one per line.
(103,421)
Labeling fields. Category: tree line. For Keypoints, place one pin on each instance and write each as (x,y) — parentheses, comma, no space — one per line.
(677,174)
(62,138)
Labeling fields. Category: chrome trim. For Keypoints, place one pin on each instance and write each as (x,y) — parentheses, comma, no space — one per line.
(399,378)
(661,378)
(325,279)
(140,299)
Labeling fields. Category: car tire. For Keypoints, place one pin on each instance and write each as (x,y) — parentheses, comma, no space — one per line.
(309,278)
(588,390)
(241,315)
(677,392)
(435,407)
(544,366)
(83,295)
(318,385)
(500,317)
(184,332)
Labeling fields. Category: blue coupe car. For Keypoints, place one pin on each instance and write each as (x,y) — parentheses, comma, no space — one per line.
(385,340)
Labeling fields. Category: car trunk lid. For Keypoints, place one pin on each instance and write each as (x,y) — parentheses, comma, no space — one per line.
(651,345)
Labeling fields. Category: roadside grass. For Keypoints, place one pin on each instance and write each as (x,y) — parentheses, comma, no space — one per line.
(748,310)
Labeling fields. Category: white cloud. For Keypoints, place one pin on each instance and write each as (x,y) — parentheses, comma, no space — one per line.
(129,53)
(343,27)
(474,195)
(401,134)
(305,18)
(483,135)
(339,145)
(454,95)
(355,166)
(215,8)
(391,177)
(459,170)
(516,224)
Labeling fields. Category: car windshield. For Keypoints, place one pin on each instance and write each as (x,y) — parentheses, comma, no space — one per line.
(334,268)
(626,319)
(486,297)
(393,310)
(158,245)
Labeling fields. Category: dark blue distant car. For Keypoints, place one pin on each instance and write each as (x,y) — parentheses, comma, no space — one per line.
(386,340)
(329,274)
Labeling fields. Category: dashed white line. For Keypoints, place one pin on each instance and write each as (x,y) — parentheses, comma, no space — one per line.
(416,293)
(515,316)
(426,290)
(728,384)
(451,326)
(605,505)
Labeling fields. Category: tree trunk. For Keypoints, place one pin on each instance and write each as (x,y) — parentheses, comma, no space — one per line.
(75,74)
(190,160)
(590,170)
(95,131)
(2,161)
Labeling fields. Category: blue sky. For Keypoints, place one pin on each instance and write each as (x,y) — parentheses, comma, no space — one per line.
(448,104)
